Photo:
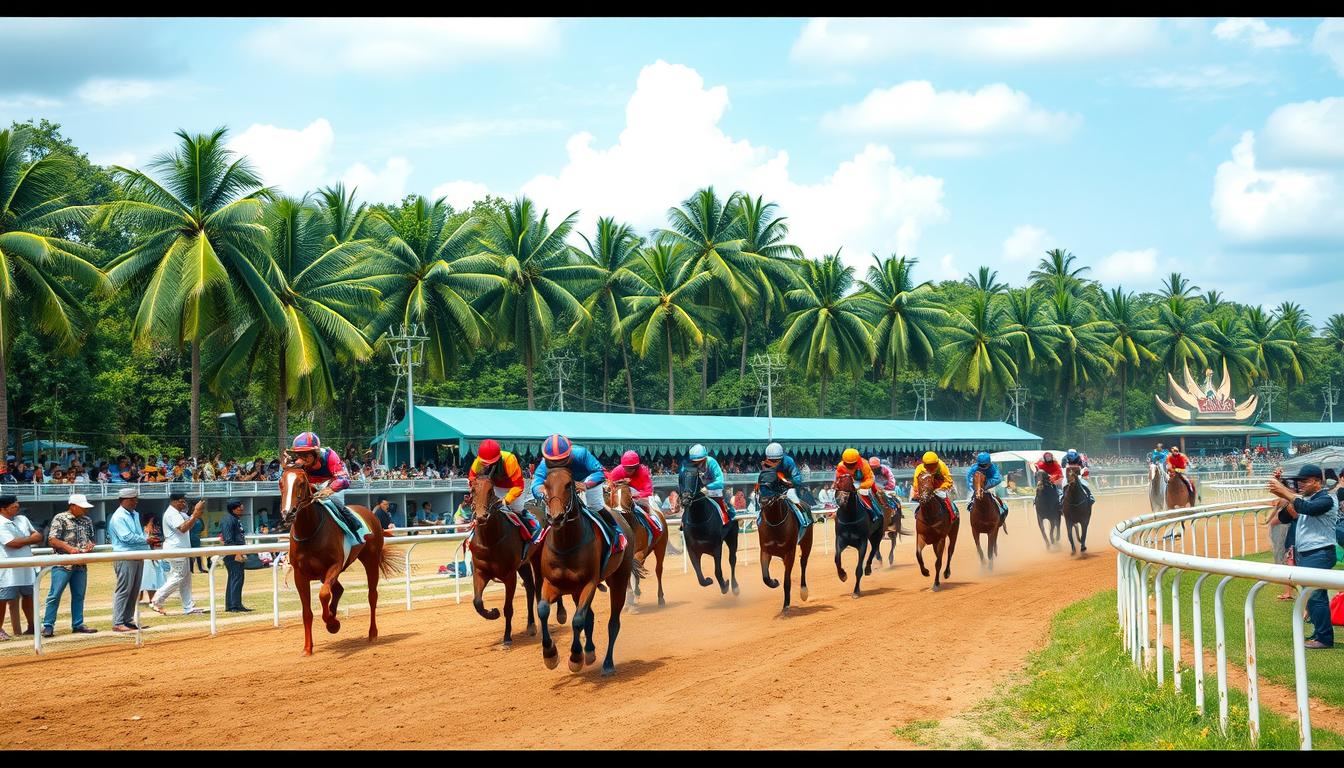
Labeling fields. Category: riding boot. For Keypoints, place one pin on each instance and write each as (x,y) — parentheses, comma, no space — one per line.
(614,530)
(349,518)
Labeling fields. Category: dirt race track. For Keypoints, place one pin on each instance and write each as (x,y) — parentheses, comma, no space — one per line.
(707,670)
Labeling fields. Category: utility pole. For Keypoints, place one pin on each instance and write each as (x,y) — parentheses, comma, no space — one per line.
(923,389)
(1330,394)
(1019,396)
(407,344)
(1268,391)
(766,367)
(561,366)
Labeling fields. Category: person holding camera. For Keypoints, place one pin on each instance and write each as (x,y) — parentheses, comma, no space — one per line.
(177,527)
(1313,512)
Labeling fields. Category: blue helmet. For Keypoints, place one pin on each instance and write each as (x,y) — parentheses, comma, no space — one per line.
(982,458)
(698,453)
(1072,454)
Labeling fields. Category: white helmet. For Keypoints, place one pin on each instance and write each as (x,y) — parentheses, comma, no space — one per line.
(774,451)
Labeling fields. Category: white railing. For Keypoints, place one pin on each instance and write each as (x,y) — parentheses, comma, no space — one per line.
(1147,545)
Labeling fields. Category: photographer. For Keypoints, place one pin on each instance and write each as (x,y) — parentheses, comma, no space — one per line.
(1313,512)
(177,527)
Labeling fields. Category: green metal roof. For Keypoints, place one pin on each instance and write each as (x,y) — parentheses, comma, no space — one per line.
(1308,430)
(658,435)
(1196,430)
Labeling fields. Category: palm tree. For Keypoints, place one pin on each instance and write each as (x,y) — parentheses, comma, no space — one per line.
(1056,271)
(329,290)
(1271,352)
(665,314)
(827,330)
(441,279)
(1228,345)
(1025,310)
(1333,333)
(346,219)
(979,346)
(1295,326)
(1129,333)
(1213,301)
(613,250)
(1177,287)
(986,281)
(1183,334)
(541,278)
(904,318)
(763,234)
(34,264)
(1084,355)
(199,238)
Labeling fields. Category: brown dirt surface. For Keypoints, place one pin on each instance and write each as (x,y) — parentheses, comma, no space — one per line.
(706,671)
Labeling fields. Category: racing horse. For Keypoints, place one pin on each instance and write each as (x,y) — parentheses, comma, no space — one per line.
(1157,488)
(985,520)
(1048,509)
(1077,509)
(892,521)
(705,533)
(856,529)
(1177,493)
(934,526)
(571,563)
(497,555)
(778,535)
(317,552)
(619,498)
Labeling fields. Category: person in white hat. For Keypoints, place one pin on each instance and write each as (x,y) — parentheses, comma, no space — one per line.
(127,536)
(71,534)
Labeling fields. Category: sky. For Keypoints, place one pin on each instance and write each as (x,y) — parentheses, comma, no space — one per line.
(1214,147)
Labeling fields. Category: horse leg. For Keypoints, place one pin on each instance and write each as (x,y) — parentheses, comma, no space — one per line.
(589,650)
(371,566)
(919,555)
(1040,523)
(938,564)
(766,559)
(695,564)
(1082,535)
(330,586)
(510,585)
(839,569)
(993,545)
(478,585)
(549,654)
(561,615)
(858,565)
(788,578)
(732,560)
(1068,526)
(530,590)
(975,536)
(614,623)
(951,547)
(802,566)
(661,552)
(583,609)
(302,583)
(891,556)
(718,570)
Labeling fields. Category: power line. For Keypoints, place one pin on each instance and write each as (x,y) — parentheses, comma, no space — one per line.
(1330,394)
(923,389)
(766,366)
(561,366)
(1019,396)
(1268,391)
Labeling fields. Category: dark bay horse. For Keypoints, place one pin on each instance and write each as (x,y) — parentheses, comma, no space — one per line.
(892,521)
(497,555)
(985,520)
(317,553)
(934,527)
(778,535)
(1077,509)
(854,527)
(705,532)
(1178,495)
(1048,509)
(570,563)
(619,498)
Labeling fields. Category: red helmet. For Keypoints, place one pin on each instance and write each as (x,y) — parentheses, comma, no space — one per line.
(630,459)
(488,453)
(1048,457)
(306,441)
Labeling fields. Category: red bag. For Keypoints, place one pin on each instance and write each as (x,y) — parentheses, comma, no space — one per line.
(1337,610)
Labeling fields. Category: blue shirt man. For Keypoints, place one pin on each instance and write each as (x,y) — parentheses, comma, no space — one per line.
(1313,513)
(127,535)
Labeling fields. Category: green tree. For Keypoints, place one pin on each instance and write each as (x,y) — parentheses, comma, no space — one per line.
(613,251)
(986,281)
(827,329)
(1084,355)
(1056,272)
(1177,287)
(1128,331)
(665,313)
(763,233)
(1182,334)
(979,349)
(904,316)
(1271,352)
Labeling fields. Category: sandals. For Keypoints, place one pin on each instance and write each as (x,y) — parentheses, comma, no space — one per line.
(4,636)
(157,609)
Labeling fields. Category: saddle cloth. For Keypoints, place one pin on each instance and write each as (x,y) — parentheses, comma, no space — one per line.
(353,538)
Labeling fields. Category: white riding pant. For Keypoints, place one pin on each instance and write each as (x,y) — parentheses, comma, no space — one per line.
(593,500)
(514,506)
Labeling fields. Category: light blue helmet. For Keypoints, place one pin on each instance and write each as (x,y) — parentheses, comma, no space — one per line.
(982,458)
(774,451)
(698,453)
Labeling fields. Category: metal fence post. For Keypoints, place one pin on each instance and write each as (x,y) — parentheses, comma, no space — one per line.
(1199,642)
(1252,683)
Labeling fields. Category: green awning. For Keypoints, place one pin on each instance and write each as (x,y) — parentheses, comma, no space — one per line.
(1308,430)
(1197,430)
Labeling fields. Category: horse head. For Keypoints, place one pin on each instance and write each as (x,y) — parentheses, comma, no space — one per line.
(925,488)
(1072,474)
(295,492)
(618,495)
(483,500)
(560,494)
(689,484)
(1043,480)
(978,483)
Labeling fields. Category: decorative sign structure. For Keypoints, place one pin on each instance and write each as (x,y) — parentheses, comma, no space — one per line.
(1193,403)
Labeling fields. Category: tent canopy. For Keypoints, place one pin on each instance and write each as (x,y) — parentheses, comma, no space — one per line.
(662,435)
(1308,430)
(1330,457)
(1027,457)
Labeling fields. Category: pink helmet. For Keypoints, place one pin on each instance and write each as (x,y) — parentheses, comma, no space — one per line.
(630,459)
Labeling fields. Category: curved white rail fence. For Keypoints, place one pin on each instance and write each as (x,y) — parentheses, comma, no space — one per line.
(1191,541)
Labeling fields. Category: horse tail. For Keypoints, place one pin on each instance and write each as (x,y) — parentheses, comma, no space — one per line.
(637,569)
(391,561)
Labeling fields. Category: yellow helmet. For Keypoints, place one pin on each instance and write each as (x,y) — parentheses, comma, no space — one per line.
(930,457)
(850,456)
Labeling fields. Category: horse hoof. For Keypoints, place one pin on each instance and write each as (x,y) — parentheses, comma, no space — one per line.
(924,572)
(802,593)
(608,671)
(868,571)
(307,651)
(661,601)
(575,666)
(531,630)
(590,657)
(334,626)
(723,589)
(736,590)
(784,611)
(843,577)
(855,595)
(551,661)
(507,644)
(936,588)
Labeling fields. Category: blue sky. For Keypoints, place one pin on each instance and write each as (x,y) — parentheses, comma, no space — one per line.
(1214,147)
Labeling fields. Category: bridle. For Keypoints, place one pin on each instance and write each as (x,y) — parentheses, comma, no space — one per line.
(493,506)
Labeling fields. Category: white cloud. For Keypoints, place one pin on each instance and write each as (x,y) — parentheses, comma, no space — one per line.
(999,40)
(105,92)
(294,160)
(392,46)
(672,144)
(1283,208)
(1329,41)
(27,102)
(1254,31)
(1026,245)
(1205,78)
(1305,134)
(468,129)
(915,108)
(460,194)
(385,186)
(948,268)
(1132,269)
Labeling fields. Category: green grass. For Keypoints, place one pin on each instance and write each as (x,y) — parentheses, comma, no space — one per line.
(1082,692)
(1273,635)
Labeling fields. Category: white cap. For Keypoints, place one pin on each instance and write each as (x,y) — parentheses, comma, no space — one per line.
(79,500)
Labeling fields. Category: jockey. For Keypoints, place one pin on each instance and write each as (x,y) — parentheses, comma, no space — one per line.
(507,476)
(882,476)
(931,465)
(634,472)
(1178,463)
(557,452)
(1072,458)
(851,463)
(992,478)
(327,473)
(1158,456)
(1052,469)
(712,474)
(786,469)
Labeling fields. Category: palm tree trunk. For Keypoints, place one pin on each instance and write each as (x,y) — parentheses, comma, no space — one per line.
(895,402)
(980,408)
(821,402)
(1064,428)
(606,378)
(629,380)
(1124,391)
(531,392)
(671,379)
(195,398)
(4,400)
(282,404)
(742,366)
(704,370)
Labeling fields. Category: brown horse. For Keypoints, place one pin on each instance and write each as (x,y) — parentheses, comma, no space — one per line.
(571,564)
(497,555)
(1178,495)
(985,520)
(934,526)
(778,535)
(317,553)
(619,498)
